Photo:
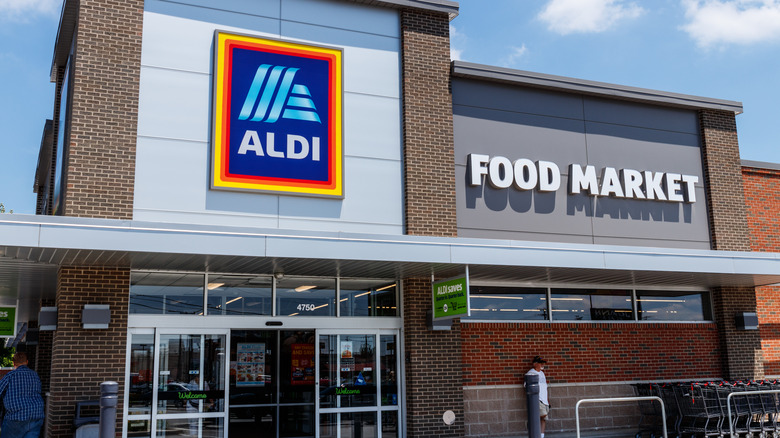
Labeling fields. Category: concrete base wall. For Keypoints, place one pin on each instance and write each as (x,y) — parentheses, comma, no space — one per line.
(500,410)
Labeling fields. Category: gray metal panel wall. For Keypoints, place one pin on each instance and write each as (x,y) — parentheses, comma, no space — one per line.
(565,128)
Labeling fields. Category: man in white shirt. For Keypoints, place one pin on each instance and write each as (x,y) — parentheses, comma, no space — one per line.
(544,403)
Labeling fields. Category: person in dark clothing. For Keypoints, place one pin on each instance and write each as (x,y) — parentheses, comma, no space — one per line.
(20,392)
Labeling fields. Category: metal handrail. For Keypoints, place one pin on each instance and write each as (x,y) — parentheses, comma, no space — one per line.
(619,399)
(728,404)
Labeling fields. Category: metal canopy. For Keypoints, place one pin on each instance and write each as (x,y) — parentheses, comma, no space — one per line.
(33,247)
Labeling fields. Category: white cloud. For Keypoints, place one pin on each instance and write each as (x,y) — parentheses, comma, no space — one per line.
(455,55)
(714,22)
(514,56)
(587,16)
(456,39)
(21,9)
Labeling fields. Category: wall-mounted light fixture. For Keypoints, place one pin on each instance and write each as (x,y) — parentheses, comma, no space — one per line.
(95,316)
(47,319)
(746,321)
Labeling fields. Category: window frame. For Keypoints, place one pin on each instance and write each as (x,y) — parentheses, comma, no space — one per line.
(634,293)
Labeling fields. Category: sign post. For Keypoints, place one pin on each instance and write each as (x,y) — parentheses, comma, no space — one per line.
(451,297)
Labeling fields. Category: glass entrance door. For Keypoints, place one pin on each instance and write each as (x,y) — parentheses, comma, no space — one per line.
(177,384)
(272,384)
(358,395)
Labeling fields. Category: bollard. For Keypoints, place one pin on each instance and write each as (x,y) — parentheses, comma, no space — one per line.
(532,397)
(108,402)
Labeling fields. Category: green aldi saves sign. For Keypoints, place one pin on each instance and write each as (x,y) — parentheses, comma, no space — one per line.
(451,297)
(7,321)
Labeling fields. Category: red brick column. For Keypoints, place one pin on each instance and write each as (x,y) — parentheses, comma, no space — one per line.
(84,358)
(434,382)
(104,118)
(741,350)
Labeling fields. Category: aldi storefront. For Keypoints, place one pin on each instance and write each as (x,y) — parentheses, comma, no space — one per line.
(251,248)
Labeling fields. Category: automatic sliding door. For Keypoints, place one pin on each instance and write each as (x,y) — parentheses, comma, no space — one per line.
(358,385)
(190,392)
(272,384)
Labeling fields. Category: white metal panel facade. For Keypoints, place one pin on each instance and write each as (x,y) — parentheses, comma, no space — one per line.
(175,106)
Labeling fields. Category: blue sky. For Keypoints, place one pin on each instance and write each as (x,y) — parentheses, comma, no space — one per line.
(724,49)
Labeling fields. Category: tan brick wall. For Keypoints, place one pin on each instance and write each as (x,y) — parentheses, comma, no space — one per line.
(106,71)
(723,172)
(429,154)
(741,350)
(433,367)
(82,359)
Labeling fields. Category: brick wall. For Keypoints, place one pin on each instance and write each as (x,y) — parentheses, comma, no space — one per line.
(43,364)
(723,172)
(429,154)
(741,350)
(500,353)
(433,367)
(768,299)
(762,196)
(583,358)
(101,160)
(82,359)
(433,370)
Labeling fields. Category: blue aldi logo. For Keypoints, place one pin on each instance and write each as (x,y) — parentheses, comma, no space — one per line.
(277,117)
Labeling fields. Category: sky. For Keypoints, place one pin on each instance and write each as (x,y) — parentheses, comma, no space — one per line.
(721,49)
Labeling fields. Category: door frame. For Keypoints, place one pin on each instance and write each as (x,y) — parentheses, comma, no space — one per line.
(378,408)
(153,416)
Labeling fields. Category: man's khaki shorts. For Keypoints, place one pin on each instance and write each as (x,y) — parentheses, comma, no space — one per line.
(544,410)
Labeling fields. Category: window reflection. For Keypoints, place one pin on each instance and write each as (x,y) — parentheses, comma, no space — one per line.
(508,303)
(166,293)
(673,306)
(591,305)
(239,295)
(360,297)
(306,296)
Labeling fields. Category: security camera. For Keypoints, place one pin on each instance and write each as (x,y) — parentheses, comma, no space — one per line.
(278,275)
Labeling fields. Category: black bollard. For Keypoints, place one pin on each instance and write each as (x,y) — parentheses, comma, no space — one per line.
(532,399)
(108,402)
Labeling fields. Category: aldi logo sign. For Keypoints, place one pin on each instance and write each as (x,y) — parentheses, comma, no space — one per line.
(277,117)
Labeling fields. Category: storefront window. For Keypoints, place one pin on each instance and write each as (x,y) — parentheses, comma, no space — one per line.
(508,303)
(306,296)
(239,295)
(177,293)
(653,305)
(367,298)
(522,304)
(591,305)
(166,293)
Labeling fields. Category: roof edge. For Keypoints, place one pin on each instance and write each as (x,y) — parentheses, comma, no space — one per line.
(67,27)
(446,6)
(760,165)
(539,80)
(69,15)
